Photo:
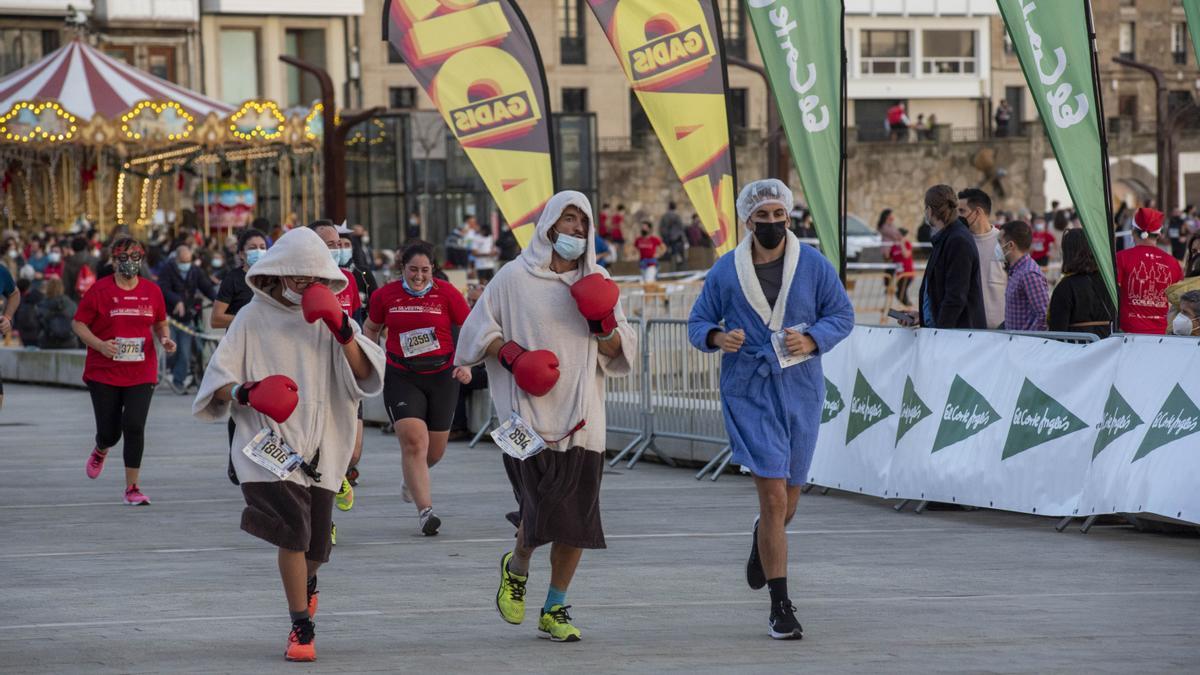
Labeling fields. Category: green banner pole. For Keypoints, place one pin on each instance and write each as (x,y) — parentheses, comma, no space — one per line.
(1108,200)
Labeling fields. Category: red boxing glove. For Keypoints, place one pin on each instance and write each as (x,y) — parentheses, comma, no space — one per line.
(536,372)
(275,396)
(320,303)
(597,296)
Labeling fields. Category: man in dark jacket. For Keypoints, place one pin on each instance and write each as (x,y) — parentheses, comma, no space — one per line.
(182,282)
(951,295)
(80,258)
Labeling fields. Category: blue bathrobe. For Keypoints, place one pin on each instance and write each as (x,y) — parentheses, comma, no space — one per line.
(772,414)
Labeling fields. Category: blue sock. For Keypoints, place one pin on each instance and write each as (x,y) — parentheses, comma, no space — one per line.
(554,597)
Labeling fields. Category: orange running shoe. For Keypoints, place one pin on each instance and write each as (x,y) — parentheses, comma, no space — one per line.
(302,644)
(312,596)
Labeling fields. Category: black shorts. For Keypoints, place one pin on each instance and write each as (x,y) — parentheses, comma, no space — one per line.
(430,397)
(558,497)
(290,516)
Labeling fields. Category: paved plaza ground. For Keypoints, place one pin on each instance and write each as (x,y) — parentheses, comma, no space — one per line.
(91,585)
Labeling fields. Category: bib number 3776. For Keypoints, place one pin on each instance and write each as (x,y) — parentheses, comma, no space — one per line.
(517,439)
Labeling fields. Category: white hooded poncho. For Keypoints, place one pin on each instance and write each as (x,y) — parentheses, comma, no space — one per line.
(269,338)
(529,303)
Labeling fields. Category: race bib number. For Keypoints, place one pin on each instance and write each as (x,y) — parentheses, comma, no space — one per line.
(130,349)
(779,342)
(418,342)
(517,439)
(268,450)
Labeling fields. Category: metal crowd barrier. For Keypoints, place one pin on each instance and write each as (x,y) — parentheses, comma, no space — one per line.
(674,393)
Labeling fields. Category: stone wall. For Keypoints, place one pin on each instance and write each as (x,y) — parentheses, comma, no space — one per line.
(881,175)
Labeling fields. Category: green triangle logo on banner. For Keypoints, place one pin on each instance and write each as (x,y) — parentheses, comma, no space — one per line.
(866,408)
(1119,419)
(912,409)
(966,413)
(833,402)
(1037,419)
(1178,418)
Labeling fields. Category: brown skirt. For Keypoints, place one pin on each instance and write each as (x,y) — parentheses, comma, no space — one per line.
(290,516)
(558,497)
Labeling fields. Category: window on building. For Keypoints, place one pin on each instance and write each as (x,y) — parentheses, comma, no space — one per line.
(948,52)
(1009,49)
(1127,108)
(1128,3)
(572,44)
(1179,43)
(574,100)
(306,44)
(122,53)
(238,50)
(19,48)
(402,98)
(394,55)
(1126,39)
(161,63)
(738,113)
(886,52)
(639,123)
(733,27)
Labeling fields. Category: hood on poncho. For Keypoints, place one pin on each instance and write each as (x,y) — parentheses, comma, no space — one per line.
(537,255)
(298,253)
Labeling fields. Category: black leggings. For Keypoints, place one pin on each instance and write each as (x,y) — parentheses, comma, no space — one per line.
(122,411)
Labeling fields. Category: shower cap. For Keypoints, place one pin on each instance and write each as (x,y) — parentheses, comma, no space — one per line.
(761,192)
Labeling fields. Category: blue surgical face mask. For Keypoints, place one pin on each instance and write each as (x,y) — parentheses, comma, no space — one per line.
(568,247)
(184,268)
(253,255)
(344,255)
(409,289)
(333,253)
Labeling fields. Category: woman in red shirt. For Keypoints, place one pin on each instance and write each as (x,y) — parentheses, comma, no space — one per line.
(421,315)
(118,319)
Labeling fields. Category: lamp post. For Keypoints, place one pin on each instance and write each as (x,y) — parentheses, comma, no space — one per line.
(333,141)
(1163,145)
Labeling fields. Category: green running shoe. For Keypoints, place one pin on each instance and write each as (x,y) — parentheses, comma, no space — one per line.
(510,599)
(345,496)
(556,624)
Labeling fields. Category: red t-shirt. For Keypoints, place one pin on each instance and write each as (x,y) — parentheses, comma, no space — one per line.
(402,313)
(902,254)
(1143,274)
(112,312)
(648,246)
(1042,241)
(349,297)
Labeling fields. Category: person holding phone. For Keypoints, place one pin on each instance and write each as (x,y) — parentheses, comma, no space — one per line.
(773,307)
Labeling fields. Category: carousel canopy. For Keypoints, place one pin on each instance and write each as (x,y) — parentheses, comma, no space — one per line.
(87,82)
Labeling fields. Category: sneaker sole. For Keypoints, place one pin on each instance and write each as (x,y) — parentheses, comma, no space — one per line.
(503,561)
(300,659)
(570,638)
(794,635)
(430,528)
(751,578)
(145,503)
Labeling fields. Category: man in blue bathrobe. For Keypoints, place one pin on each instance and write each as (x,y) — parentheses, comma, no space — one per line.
(782,306)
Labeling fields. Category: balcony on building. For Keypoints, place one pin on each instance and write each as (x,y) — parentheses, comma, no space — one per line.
(165,11)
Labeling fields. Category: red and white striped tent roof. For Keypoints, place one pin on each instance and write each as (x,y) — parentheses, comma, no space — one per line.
(87,82)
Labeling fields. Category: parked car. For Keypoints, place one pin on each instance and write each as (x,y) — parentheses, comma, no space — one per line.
(860,238)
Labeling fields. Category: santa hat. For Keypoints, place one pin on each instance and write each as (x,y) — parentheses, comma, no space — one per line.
(1147,221)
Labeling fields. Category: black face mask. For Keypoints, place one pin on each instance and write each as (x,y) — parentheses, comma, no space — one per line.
(770,234)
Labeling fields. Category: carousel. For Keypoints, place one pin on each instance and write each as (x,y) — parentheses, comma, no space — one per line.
(84,136)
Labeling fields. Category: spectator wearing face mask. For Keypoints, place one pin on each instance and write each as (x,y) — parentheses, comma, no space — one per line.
(1027,295)
(1080,302)
(1187,321)
(1043,243)
(54,263)
(975,208)
(951,295)
(183,284)
(234,292)
(1191,275)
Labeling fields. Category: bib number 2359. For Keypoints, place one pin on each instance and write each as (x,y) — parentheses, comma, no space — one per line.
(517,439)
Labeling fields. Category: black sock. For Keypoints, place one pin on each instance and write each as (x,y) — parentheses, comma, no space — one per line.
(302,615)
(779,594)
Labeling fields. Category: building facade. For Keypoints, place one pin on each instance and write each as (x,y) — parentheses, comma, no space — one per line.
(242,40)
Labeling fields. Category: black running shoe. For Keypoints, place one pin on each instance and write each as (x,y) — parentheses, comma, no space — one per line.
(783,624)
(429,522)
(755,576)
